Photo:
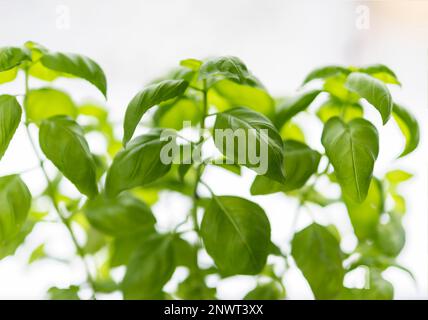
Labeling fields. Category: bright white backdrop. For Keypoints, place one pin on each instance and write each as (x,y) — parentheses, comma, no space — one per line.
(280,41)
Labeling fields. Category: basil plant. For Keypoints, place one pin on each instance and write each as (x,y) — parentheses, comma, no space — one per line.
(235,125)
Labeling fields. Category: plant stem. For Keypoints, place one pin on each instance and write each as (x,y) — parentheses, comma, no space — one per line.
(201,167)
(63,218)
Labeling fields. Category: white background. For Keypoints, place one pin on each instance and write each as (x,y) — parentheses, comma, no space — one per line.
(280,41)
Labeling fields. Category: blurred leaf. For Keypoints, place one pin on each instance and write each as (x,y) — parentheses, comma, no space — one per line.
(325,72)
(365,215)
(62,141)
(335,86)
(408,126)
(236,234)
(336,108)
(149,269)
(194,288)
(237,95)
(10,116)
(119,216)
(192,64)
(266,291)
(46,102)
(352,149)
(398,176)
(391,236)
(9,75)
(381,72)
(11,57)
(172,114)
(70,293)
(37,254)
(373,90)
(15,202)
(300,163)
(146,99)
(291,131)
(317,254)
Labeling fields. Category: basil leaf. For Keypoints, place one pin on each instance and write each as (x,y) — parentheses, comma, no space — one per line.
(373,90)
(325,72)
(238,95)
(352,149)
(10,116)
(365,216)
(62,141)
(290,107)
(236,234)
(78,66)
(300,163)
(15,203)
(391,236)
(336,108)
(408,126)
(120,216)
(147,98)
(138,164)
(317,254)
(46,102)
(150,268)
(228,67)
(381,72)
(9,75)
(266,291)
(11,57)
(249,122)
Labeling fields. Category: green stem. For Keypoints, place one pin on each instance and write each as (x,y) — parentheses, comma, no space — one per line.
(61,215)
(201,167)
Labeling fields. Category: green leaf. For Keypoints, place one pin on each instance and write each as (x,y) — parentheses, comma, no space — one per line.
(336,108)
(192,64)
(250,123)
(78,66)
(317,254)
(70,293)
(238,95)
(46,102)
(15,203)
(395,177)
(37,254)
(63,143)
(325,72)
(194,288)
(236,234)
(291,131)
(391,236)
(300,163)
(172,114)
(120,216)
(352,149)
(378,289)
(9,75)
(138,164)
(290,107)
(365,215)
(122,248)
(10,116)
(148,97)
(150,268)
(408,126)
(11,57)
(373,90)
(381,72)
(266,291)
(13,244)
(227,67)
(335,86)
